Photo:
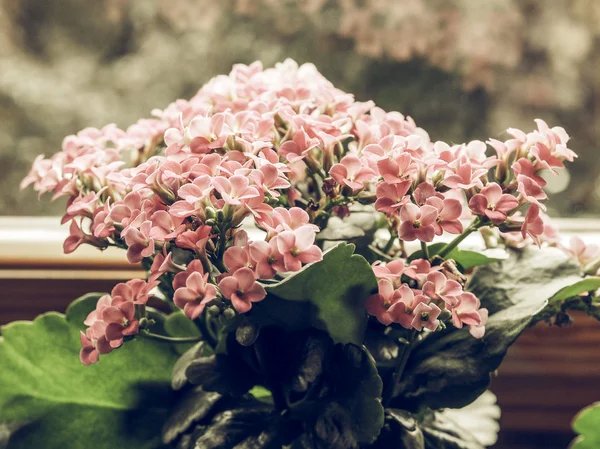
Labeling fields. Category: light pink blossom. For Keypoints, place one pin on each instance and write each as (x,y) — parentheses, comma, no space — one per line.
(192,290)
(417,222)
(242,289)
(492,203)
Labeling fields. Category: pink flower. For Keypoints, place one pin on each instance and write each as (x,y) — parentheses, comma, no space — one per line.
(581,251)
(425,315)
(439,287)
(267,258)
(463,175)
(526,168)
(94,343)
(395,170)
(418,269)
(423,192)
(162,264)
(417,222)
(139,242)
(235,190)
(351,172)
(242,289)
(297,149)
(120,322)
(379,303)
(468,312)
(402,311)
(195,240)
(297,248)
(392,271)
(236,257)
(531,190)
(269,179)
(77,237)
(135,291)
(192,291)
(390,197)
(449,212)
(492,203)
(533,224)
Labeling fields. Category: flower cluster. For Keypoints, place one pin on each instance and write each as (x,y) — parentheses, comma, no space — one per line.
(113,319)
(284,149)
(422,305)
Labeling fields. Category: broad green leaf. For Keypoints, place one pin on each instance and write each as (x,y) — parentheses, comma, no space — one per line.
(583,286)
(527,276)
(472,427)
(352,415)
(587,425)
(120,401)
(465,258)
(451,368)
(247,424)
(193,406)
(329,295)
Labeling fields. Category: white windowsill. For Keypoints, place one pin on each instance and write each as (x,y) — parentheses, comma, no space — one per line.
(37,241)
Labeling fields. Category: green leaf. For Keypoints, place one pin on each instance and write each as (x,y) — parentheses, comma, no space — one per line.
(352,415)
(192,407)
(472,427)
(528,276)
(119,402)
(587,425)
(465,258)
(329,295)
(262,394)
(583,286)
(179,378)
(248,424)
(451,368)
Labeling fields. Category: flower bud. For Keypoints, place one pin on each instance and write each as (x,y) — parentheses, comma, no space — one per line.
(210,212)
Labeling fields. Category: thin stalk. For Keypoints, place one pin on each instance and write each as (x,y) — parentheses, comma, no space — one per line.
(386,249)
(425,250)
(388,391)
(454,243)
(164,338)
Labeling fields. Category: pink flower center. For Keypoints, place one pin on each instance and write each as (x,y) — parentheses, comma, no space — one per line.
(425,316)
(416,224)
(294,251)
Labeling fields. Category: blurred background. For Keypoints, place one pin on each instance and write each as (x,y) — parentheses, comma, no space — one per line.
(463,69)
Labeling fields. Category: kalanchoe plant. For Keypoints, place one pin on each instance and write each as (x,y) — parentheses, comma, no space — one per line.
(296,294)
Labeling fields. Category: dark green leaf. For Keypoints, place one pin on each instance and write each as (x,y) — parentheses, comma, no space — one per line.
(472,427)
(179,377)
(583,286)
(249,424)
(328,295)
(527,276)
(119,402)
(352,415)
(223,373)
(400,431)
(451,368)
(587,425)
(192,407)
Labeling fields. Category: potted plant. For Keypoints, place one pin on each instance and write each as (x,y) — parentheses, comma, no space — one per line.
(308,281)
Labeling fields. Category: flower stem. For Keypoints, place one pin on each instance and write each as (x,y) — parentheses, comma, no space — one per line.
(425,250)
(386,249)
(454,243)
(152,336)
(388,391)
